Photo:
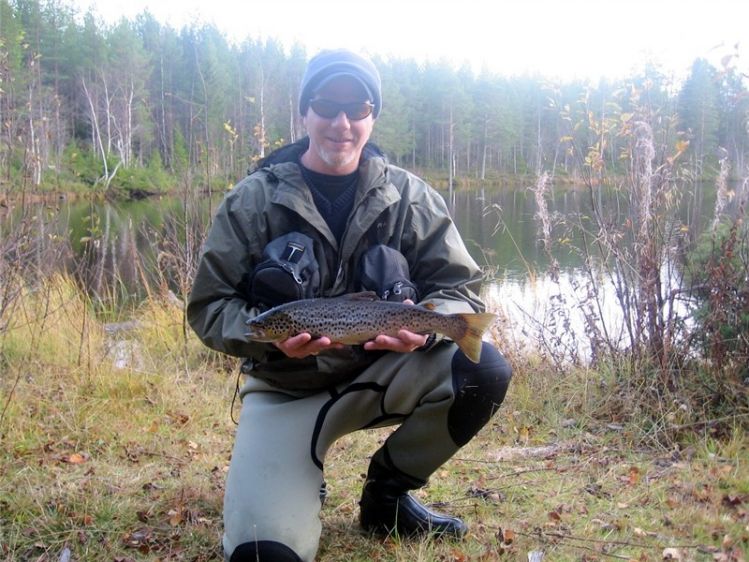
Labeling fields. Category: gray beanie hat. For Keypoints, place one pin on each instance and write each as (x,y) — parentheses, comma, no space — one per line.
(327,65)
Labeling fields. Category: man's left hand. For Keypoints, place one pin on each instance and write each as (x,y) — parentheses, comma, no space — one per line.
(405,342)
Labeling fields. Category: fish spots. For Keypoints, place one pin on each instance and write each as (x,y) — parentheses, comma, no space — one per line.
(354,320)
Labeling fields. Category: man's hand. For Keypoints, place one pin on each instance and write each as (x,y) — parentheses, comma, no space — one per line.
(302,345)
(405,342)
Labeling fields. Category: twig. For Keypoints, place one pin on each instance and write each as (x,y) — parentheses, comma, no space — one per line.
(557,534)
(527,470)
(709,423)
(10,397)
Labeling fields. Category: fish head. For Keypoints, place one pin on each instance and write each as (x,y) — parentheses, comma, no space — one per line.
(268,327)
(257,333)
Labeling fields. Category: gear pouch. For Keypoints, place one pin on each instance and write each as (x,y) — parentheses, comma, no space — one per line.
(288,271)
(385,271)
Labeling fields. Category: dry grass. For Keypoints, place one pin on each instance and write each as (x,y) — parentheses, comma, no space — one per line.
(115,464)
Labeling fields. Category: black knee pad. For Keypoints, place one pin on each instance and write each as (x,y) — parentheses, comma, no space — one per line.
(264,551)
(479,390)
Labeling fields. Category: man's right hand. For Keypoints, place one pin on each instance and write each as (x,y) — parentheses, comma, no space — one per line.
(303,345)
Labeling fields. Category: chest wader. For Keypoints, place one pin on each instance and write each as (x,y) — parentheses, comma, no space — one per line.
(272,501)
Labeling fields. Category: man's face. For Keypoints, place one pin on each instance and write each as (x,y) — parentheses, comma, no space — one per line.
(335,144)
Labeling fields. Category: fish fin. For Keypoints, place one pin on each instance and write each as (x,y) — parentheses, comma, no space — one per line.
(362,296)
(476,324)
(428,305)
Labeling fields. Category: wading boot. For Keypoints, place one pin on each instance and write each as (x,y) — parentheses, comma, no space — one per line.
(388,508)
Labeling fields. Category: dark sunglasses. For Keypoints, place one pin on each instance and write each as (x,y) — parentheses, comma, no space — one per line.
(355,111)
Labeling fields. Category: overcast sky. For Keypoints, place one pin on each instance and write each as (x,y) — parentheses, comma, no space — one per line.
(555,38)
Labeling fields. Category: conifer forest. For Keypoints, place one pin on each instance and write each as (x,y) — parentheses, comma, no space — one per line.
(141,106)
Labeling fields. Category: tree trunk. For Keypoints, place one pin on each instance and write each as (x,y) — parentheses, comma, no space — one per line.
(451,155)
(485,150)
(261,130)
(95,131)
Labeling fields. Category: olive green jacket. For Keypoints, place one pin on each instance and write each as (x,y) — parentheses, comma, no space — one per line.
(392,207)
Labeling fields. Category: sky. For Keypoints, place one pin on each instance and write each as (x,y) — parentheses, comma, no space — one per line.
(563,39)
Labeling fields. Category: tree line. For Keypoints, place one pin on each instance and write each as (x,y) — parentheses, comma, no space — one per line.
(141,105)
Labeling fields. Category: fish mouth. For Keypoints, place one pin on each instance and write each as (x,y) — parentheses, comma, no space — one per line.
(255,334)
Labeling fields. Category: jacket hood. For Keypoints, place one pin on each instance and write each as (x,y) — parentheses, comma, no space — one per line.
(292,153)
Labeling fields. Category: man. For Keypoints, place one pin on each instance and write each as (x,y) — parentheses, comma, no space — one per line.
(324,217)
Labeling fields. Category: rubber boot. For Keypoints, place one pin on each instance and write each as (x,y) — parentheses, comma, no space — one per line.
(388,508)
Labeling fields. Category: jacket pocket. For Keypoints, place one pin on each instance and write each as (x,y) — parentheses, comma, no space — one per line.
(288,271)
(385,271)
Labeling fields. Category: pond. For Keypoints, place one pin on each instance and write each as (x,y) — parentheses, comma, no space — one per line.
(122,248)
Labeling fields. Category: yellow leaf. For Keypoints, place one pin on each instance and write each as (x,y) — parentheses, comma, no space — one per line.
(75,458)
(508,536)
(175,517)
(634,475)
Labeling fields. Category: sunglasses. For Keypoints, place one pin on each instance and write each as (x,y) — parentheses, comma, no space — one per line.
(355,111)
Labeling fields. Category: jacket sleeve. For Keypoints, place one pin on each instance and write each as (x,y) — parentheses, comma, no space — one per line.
(217,308)
(447,275)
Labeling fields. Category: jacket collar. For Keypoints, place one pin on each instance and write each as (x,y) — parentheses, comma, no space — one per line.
(375,192)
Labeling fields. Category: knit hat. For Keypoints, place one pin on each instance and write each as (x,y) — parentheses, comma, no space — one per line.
(327,65)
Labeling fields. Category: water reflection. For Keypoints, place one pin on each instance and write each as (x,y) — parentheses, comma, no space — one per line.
(578,310)
(128,249)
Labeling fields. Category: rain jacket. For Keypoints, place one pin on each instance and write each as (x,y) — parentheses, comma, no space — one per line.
(392,207)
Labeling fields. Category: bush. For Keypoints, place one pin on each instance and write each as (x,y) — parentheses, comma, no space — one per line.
(719,271)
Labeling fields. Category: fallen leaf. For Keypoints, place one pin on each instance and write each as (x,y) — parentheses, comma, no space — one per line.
(140,539)
(459,556)
(179,418)
(74,458)
(175,517)
(491,495)
(702,494)
(732,500)
(524,435)
(508,536)
(671,554)
(727,542)
(634,476)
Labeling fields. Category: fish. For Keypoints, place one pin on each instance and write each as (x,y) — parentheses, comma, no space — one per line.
(359,317)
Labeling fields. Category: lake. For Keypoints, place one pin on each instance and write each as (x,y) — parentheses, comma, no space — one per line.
(121,248)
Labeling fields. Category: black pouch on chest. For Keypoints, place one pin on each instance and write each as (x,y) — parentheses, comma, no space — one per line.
(288,271)
(385,271)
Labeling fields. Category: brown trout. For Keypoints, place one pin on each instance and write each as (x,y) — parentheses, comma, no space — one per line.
(360,317)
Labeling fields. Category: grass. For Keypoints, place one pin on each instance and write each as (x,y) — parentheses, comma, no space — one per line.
(108,463)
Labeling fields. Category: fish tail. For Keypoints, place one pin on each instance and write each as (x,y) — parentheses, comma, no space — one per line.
(469,341)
